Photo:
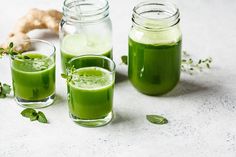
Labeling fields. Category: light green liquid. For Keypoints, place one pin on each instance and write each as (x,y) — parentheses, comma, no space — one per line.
(77,45)
(90,93)
(33,79)
(65,58)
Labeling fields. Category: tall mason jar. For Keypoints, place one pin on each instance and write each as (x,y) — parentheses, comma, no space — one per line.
(85,29)
(154,58)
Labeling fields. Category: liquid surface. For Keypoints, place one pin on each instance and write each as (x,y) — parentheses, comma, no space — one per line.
(154,69)
(76,45)
(91,78)
(33,79)
(36,62)
(90,93)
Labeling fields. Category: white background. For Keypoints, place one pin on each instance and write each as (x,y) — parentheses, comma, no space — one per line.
(201,110)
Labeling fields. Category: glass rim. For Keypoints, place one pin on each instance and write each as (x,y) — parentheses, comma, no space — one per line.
(34,40)
(94,56)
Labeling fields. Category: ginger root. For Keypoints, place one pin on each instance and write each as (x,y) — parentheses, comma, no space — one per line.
(34,19)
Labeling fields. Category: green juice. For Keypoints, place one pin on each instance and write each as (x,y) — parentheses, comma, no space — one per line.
(90,93)
(154,69)
(66,57)
(77,45)
(33,79)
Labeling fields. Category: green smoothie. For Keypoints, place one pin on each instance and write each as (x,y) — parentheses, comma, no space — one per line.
(33,79)
(90,93)
(76,45)
(154,69)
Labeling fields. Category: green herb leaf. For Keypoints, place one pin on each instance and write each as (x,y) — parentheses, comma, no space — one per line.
(156,119)
(28,113)
(208,65)
(64,76)
(41,117)
(13,53)
(1,52)
(26,57)
(124,59)
(11,45)
(4,90)
(34,116)
(3,96)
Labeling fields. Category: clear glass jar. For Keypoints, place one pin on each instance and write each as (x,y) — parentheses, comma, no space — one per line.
(85,29)
(155,47)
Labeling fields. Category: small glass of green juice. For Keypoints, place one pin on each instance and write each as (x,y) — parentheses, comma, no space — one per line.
(90,86)
(33,75)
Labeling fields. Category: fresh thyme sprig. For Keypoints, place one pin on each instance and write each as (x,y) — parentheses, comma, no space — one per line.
(68,76)
(191,66)
(10,51)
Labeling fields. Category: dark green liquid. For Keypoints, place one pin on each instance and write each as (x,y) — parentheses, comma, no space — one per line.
(154,69)
(33,80)
(65,58)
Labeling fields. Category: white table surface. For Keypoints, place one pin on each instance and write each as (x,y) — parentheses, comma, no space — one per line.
(201,110)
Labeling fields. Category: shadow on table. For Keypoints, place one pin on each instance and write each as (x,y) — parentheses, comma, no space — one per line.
(120,77)
(186,87)
(59,100)
(117,119)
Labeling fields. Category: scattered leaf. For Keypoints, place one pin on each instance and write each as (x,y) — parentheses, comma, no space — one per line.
(28,112)
(4,90)
(41,117)
(33,115)
(156,119)
(124,59)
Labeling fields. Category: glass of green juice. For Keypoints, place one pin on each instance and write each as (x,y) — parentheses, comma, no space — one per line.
(33,75)
(90,86)
(155,41)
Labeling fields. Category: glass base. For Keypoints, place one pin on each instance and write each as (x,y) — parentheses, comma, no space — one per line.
(36,104)
(93,123)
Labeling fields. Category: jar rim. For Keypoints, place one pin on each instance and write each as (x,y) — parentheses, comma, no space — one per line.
(171,19)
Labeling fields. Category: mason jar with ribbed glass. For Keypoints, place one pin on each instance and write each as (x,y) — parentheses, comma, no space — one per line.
(155,39)
(85,29)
